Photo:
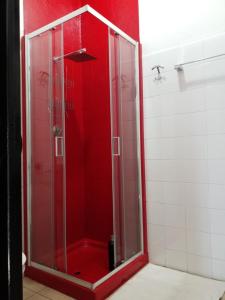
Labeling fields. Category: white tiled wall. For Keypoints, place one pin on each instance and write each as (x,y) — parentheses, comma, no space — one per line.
(185,158)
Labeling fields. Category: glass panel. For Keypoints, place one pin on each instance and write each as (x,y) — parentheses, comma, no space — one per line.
(47,150)
(117,195)
(59,148)
(124,147)
(42,165)
(129,155)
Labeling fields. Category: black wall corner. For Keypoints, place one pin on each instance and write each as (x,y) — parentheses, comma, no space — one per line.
(10,154)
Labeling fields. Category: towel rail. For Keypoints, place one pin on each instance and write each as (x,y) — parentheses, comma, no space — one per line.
(179,67)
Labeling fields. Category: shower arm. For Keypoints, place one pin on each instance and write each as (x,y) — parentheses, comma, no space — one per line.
(77,52)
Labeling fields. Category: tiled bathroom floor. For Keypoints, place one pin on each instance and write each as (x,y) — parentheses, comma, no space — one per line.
(151,283)
(33,290)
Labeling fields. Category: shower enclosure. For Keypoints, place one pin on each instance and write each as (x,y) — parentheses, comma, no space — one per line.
(84,186)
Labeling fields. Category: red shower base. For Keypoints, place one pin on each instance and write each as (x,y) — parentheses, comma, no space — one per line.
(78,292)
(88,260)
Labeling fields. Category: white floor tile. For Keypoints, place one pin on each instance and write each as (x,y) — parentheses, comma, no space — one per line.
(159,283)
(32,285)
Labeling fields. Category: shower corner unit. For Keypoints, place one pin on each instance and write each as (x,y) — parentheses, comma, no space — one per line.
(85,212)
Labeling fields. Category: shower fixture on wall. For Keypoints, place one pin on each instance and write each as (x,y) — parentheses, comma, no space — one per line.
(77,55)
(158,68)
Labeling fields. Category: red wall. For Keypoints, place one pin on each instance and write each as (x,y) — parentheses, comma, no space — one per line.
(74,128)
(123,14)
(98,165)
(38,13)
(88,142)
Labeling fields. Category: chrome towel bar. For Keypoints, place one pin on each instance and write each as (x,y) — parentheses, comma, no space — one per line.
(179,67)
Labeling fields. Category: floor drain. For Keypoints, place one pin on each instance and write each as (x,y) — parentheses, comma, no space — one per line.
(77,273)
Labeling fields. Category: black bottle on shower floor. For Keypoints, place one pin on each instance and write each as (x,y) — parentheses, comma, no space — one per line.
(111,253)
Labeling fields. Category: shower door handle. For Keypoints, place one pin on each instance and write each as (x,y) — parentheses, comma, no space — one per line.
(59,150)
(116,145)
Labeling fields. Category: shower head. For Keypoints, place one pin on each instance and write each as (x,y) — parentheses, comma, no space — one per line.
(80,55)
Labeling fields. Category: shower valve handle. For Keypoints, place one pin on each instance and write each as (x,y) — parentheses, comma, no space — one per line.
(116,143)
(158,67)
(59,151)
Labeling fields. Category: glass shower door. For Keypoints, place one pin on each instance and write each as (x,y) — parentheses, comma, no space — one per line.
(58,132)
(127,225)
(46,160)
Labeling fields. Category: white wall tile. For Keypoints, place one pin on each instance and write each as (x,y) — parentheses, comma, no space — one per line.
(147,108)
(215,96)
(216,146)
(216,171)
(175,238)
(193,51)
(175,103)
(148,188)
(198,219)
(214,46)
(176,148)
(176,260)
(169,83)
(218,246)
(152,128)
(195,195)
(153,107)
(154,149)
(217,221)
(173,193)
(199,265)
(157,214)
(199,243)
(192,171)
(216,122)
(157,235)
(158,170)
(155,191)
(148,209)
(189,101)
(178,193)
(150,87)
(217,196)
(214,71)
(177,170)
(188,147)
(175,216)
(147,170)
(184,125)
(218,269)
(157,255)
